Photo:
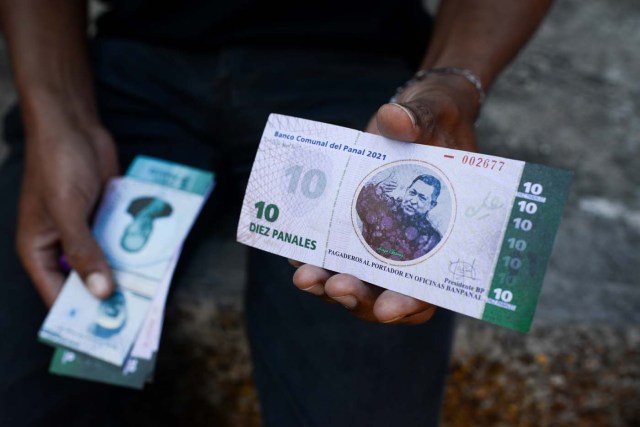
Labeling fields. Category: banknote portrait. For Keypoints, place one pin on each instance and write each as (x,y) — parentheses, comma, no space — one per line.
(136,223)
(402,211)
(111,316)
(143,210)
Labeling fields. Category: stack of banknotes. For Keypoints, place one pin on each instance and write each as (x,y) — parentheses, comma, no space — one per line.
(141,223)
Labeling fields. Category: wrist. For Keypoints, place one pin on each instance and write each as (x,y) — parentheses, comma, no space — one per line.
(451,89)
(48,112)
(471,78)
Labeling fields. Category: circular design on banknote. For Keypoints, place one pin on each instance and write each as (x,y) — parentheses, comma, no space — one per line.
(404,211)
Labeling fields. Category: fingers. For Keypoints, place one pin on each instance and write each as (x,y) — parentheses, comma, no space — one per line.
(395,308)
(84,254)
(310,278)
(45,273)
(295,263)
(86,257)
(39,255)
(353,294)
(40,242)
(37,245)
(405,122)
(372,303)
(364,300)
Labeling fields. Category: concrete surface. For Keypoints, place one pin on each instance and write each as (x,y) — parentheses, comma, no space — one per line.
(572,100)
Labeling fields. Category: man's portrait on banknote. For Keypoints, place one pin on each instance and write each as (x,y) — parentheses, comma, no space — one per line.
(142,219)
(144,211)
(111,316)
(403,211)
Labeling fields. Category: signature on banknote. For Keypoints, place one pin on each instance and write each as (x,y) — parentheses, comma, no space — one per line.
(490,203)
(462,270)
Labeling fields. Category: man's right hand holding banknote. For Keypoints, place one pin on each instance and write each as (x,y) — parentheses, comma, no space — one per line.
(438,108)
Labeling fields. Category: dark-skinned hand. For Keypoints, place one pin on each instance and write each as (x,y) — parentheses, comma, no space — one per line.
(66,168)
(440,111)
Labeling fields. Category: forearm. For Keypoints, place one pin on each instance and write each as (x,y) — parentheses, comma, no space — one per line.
(482,35)
(48,48)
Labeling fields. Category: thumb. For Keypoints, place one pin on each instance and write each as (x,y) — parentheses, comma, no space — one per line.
(85,256)
(405,122)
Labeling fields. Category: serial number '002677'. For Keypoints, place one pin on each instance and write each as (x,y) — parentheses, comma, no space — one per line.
(482,162)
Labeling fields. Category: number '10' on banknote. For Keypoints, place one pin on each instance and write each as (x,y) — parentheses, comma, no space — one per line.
(469,232)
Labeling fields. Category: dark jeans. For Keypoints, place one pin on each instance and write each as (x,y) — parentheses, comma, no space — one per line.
(315,365)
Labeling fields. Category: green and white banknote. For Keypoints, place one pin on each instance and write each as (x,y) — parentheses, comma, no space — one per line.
(466,231)
(139,366)
(141,224)
(135,373)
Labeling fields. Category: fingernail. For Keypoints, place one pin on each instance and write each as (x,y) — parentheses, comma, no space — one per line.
(295,263)
(395,319)
(349,301)
(98,284)
(317,290)
(409,113)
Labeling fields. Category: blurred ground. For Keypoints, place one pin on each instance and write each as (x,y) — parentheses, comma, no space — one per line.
(572,99)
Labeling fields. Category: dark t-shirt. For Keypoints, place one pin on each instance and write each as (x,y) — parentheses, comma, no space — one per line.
(388,27)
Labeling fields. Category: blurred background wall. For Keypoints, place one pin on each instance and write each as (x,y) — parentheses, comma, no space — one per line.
(572,100)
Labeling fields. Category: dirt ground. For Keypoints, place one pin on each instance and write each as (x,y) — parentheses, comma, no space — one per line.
(572,100)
